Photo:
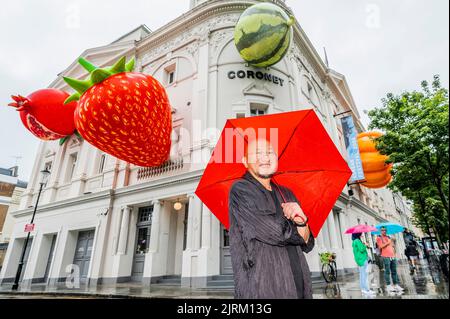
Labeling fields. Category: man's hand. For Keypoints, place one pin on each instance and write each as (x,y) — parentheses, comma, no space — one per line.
(294,212)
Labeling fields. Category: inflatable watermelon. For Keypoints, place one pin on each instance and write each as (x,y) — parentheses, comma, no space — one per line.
(263,34)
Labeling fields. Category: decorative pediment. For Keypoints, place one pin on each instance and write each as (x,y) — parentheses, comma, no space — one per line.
(258,90)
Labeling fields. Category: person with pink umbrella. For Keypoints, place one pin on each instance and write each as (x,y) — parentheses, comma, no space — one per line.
(361,256)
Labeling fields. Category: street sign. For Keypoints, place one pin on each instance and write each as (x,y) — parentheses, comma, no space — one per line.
(29,228)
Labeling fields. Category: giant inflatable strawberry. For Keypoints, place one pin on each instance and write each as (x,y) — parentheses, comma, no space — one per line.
(45,115)
(123,113)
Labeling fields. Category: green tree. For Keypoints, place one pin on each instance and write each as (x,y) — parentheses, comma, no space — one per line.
(417,142)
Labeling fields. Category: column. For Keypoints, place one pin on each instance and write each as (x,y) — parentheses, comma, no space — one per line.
(154,234)
(335,247)
(332,231)
(313,257)
(200,110)
(123,217)
(190,266)
(209,254)
(151,258)
(194,219)
(206,227)
(347,252)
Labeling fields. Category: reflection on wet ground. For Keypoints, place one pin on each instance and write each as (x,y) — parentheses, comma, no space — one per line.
(424,283)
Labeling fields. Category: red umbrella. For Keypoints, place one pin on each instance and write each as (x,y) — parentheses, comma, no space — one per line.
(358,229)
(309,163)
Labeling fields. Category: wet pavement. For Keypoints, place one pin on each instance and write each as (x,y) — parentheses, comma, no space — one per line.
(425,283)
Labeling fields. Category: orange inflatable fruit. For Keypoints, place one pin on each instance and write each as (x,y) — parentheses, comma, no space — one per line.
(376,171)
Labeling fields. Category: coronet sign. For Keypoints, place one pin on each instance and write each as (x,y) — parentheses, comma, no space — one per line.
(258,75)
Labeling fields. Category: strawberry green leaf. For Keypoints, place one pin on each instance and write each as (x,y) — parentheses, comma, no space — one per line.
(97,75)
(73,97)
(87,65)
(119,67)
(79,85)
(129,67)
(63,140)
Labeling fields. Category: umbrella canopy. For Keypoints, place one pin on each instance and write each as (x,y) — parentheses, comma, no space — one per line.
(309,163)
(391,228)
(358,229)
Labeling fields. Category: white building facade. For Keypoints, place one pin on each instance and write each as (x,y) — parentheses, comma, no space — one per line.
(117,222)
(11,190)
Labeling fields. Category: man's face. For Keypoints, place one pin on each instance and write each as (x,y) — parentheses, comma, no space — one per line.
(383,231)
(261,159)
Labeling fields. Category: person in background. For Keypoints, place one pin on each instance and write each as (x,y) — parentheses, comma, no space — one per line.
(386,246)
(378,259)
(362,260)
(413,254)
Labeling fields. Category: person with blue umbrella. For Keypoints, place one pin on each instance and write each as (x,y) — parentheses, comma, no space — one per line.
(387,251)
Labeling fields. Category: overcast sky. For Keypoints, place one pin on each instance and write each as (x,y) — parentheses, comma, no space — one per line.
(381,46)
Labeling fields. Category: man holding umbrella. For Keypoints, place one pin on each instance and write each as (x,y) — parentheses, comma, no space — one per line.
(269,232)
(386,246)
(272,226)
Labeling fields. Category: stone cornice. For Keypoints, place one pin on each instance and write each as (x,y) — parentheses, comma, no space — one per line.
(192,176)
(183,178)
(345,199)
(75,201)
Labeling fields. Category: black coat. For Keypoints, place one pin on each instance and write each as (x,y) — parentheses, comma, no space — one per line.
(258,239)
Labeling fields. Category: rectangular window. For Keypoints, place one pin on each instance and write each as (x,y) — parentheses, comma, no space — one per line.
(145,214)
(101,165)
(71,167)
(169,74)
(258,109)
(143,241)
(171,77)
(48,167)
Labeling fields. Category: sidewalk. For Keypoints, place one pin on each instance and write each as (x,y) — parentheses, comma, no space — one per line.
(424,284)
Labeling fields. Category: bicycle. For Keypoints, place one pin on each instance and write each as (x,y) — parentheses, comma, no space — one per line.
(333,291)
(329,267)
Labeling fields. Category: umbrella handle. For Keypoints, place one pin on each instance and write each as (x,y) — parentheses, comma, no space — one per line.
(281,193)
(284,198)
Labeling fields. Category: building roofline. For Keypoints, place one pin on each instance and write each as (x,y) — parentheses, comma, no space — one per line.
(142,26)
